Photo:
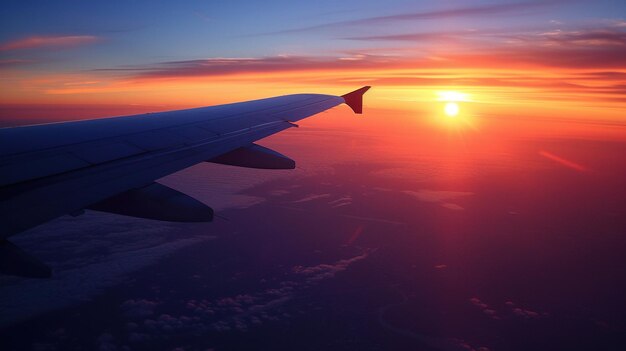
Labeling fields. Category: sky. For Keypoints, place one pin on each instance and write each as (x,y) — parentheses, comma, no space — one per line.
(492,139)
(540,59)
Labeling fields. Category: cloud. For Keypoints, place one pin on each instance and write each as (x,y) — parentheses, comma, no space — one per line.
(512,309)
(139,308)
(478,303)
(453,207)
(255,308)
(524,312)
(479,10)
(340,202)
(226,314)
(464,11)
(440,197)
(325,271)
(95,251)
(525,53)
(469,347)
(279,192)
(88,254)
(13,62)
(106,342)
(576,48)
(570,49)
(220,186)
(493,58)
(485,308)
(310,198)
(528,57)
(420,36)
(583,37)
(373,219)
(48,42)
(590,37)
(234,66)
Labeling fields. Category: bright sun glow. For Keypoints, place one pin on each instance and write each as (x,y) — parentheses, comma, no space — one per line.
(452,101)
(452,96)
(451,109)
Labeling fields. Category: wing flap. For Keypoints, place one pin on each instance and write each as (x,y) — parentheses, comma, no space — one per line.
(156,201)
(255,156)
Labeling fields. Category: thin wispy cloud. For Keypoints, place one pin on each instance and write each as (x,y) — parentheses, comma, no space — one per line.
(455,12)
(231,66)
(592,48)
(13,62)
(605,36)
(479,10)
(584,48)
(420,36)
(588,71)
(591,37)
(48,42)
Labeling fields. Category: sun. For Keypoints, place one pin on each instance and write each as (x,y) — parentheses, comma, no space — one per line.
(452,101)
(457,110)
(451,109)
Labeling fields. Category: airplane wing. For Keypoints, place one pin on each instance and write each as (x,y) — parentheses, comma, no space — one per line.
(111,164)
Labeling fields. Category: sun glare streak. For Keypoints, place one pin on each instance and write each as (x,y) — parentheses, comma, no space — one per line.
(564,162)
(452,96)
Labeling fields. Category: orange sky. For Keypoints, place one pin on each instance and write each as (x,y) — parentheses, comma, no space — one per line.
(533,97)
(527,65)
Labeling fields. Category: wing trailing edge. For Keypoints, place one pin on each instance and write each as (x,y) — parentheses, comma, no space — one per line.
(355,99)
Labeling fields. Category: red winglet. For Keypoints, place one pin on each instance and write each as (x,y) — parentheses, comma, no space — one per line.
(355,99)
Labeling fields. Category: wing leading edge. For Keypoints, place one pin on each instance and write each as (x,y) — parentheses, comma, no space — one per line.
(51,170)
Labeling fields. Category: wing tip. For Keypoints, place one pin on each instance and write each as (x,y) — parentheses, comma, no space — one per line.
(354,99)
